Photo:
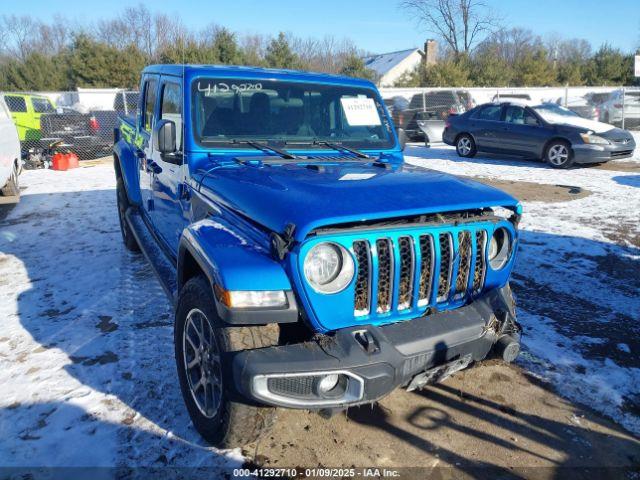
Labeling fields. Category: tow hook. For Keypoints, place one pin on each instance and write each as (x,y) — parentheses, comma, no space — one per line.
(507,347)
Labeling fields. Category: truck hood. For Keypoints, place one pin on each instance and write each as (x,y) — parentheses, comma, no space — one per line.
(277,195)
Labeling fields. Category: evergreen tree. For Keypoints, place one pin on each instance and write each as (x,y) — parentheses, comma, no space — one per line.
(226,47)
(354,67)
(36,73)
(534,69)
(447,73)
(489,69)
(609,67)
(280,55)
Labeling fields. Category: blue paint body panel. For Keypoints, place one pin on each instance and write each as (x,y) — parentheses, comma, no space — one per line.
(232,209)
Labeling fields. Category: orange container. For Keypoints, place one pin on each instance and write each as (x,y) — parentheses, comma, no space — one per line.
(60,161)
(74,161)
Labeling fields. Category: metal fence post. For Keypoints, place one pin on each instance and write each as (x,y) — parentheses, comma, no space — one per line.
(566,95)
(624,94)
(424,101)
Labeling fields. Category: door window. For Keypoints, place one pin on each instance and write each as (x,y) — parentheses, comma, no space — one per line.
(16,104)
(42,105)
(520,116)
(491,112)
(171,108)
(149,103)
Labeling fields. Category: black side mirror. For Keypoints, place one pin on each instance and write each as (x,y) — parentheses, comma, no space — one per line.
(402,138)
(164,136)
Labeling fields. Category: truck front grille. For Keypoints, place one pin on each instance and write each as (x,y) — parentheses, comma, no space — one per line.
(400,273)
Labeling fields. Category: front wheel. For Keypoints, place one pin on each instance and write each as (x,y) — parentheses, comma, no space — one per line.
(201,343)
(559,154)
(466,146)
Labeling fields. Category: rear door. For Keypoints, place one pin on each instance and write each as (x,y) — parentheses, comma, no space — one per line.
(146,120)
(170,214)
(486,126)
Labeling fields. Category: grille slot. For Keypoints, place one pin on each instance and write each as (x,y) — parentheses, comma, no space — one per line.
(297,386)
(446,264)
(363,278)
(426,269)
(480,266)
(405,288)
(465,254)
(385,274)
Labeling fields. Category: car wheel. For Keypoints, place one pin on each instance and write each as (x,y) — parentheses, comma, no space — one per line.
(123,204)
(466,146)
(201,345)
(12,188)
(559,154)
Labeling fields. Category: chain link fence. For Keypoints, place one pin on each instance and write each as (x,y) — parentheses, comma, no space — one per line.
(83,121)
(422,112)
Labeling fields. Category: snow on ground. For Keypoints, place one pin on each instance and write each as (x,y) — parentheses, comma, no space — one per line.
(86,361)
(86,350)
(577,278)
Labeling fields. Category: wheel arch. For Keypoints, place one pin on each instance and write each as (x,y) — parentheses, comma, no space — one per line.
(455,140)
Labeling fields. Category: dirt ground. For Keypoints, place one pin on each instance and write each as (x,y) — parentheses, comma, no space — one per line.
(493,415)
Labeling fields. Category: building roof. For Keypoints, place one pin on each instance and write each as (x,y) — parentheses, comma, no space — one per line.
(382,63)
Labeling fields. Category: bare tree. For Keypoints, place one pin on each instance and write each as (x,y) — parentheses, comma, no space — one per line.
(460,23)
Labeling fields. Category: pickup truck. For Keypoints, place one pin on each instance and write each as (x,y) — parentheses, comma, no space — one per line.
(308,266)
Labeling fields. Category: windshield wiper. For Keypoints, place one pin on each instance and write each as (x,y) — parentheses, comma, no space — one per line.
(257,145)
(340,147)
(265,147)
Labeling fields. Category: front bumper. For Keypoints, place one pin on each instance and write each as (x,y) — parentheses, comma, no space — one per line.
(585,153)
(409,353)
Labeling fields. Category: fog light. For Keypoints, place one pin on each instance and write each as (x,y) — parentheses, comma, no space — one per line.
(328,383)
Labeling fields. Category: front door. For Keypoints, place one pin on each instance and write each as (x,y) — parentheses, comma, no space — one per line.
(143,141)
(170,214)
(523,134)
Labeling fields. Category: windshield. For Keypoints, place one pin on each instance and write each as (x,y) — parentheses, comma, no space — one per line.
(554,113)
(287,113)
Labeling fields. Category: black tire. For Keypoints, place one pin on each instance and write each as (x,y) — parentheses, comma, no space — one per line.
(558,154)
(231,424)
(128,238)
(466,146)
(12,188)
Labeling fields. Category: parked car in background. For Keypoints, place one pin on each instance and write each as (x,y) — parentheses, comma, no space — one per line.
(422,119)
(596,98)
(611,110)
(307,267)
(546,131)
(78,132)
(10,155)
(26,110)
(581,106)
(103,122)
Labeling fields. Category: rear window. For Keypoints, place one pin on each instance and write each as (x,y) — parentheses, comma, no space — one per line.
(490,112)
(16,104)
(42,105)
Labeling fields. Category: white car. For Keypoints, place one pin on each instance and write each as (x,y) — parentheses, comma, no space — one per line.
(611,109)
(10,158)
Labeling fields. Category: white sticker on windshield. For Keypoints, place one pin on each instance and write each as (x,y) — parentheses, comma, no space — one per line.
(360,112)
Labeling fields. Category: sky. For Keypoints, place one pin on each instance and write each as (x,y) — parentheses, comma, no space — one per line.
(374,25)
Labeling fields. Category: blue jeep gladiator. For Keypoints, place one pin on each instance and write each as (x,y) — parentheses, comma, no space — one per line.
(308,266)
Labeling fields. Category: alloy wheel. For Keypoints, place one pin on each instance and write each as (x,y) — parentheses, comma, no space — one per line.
(201,358)
(464,146)
(558,154)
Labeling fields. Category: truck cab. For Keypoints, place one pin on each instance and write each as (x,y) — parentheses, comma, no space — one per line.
(308,266)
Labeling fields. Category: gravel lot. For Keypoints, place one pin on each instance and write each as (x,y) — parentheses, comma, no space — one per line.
(86,355)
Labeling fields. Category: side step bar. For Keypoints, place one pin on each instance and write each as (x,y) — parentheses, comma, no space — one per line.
(162,266)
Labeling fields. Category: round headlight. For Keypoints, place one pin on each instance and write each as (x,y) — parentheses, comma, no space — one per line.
(499,248)
(328,268)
